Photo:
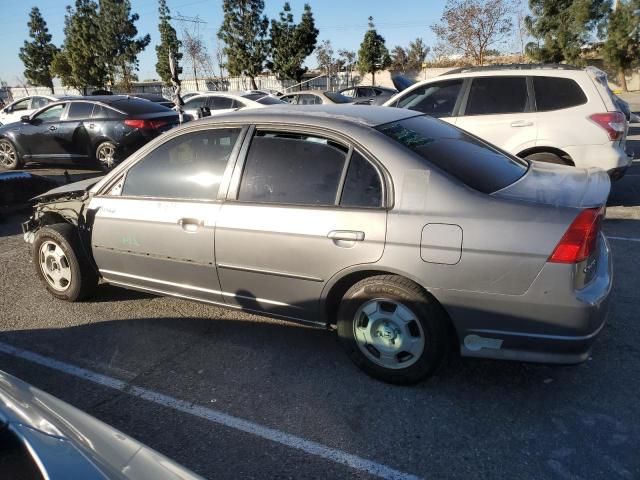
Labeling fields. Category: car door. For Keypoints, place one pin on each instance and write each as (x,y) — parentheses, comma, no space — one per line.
(39,134)
(439,99)
(283,231)
(72,133)
(154,229)
(12,113)
(499,110)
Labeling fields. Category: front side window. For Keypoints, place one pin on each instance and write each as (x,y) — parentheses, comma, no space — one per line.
(186,167)
(220,103)
(497,95)
(292,169)
(465,157)
(51,114)
(39,102)
(556,93)
(435,99)
(79,111)
(194,103)
(21,105)
(308,99)
(362,186)
(289,98)
(349,93)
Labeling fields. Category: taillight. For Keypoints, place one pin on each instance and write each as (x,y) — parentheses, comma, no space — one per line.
(579,241)
(613,122)
(147,124)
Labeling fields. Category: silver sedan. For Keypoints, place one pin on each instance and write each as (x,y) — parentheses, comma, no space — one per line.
(407,233)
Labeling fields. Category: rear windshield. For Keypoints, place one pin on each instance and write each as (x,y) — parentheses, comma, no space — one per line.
(264,99)
(475,163)
(337,97)
(136,106)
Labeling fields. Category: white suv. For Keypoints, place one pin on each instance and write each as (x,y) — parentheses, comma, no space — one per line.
(551,113)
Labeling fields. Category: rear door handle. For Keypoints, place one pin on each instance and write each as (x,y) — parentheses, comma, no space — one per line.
(190,225)
(521,123)
(349,235)
(53,127)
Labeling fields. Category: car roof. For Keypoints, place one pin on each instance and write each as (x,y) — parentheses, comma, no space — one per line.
(316,92)
(317,115)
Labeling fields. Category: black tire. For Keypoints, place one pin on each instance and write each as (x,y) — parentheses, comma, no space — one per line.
(548,157)
(426,310)
(84,279)
(106,163)
(9,156)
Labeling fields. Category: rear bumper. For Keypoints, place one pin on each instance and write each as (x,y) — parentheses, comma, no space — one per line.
(608,156)
(551,323)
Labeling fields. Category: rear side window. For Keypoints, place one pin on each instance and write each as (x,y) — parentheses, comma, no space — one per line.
(136,106)
(362,186)
(220,103)
(467,158)
(554,93)
(435,99)
(186,167)
(102,112)
(79,111)
(496,95)
(336,97)
(292,169)
(194,103)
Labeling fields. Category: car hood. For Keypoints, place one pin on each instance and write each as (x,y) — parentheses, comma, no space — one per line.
(70,188)
(560,186)
(68,443)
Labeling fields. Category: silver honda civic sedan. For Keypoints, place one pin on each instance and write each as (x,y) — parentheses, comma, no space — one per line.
(407,233)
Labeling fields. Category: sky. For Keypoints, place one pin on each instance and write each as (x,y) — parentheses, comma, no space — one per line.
(343,22)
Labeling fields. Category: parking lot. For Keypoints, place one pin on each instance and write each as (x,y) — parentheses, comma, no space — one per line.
(233,395)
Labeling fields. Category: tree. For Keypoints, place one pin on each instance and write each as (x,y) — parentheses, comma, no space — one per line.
(119,46)
(169,44)
(348,60)
(79,63)
(244,31)
(471,27)
(196,53)
(622,47)
(399,59)
(291,43)
(373,54)
(417,54)
(38,54)
(561,27)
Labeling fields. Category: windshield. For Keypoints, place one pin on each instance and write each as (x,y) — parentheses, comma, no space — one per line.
(336,97)
(469,159)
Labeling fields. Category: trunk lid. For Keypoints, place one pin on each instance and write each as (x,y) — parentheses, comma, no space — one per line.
(560,186)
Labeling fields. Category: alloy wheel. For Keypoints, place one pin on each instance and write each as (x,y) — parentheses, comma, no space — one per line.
(55,266)
(8,155)
(106,155)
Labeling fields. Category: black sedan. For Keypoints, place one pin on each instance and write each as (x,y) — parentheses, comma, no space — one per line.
(105,129)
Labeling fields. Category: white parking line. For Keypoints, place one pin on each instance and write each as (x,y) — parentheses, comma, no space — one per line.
(623,238)
(215,416)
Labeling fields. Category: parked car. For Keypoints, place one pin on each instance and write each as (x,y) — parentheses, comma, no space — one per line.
(315,97)
(26,106)
(105,129)
(43,437)
(408,233)
(215,103)
(550,113)
(368,95)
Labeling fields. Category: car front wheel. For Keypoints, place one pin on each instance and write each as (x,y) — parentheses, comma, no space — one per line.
(61,263)
(392,329)
(9,158)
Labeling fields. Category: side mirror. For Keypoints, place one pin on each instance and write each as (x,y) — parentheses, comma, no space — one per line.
(25,119)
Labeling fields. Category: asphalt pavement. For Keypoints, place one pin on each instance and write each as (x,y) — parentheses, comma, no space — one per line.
(233,395)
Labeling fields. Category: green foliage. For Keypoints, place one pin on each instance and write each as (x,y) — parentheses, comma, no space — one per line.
(291,43)
(119,47)
(38,54)
(417,54)
(622,47)
(562,27)
(244,31)
(79,63)
(399,59)
(373,54)
(169,43)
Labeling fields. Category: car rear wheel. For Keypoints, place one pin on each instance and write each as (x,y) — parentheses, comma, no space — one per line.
(548,157)
(62,264)
(106,155)
(392,329)
(9,158)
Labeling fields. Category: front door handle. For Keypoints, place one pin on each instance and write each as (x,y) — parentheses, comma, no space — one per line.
(53,128)
(190,225)
(349,235)
(521,123)
(91,125)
